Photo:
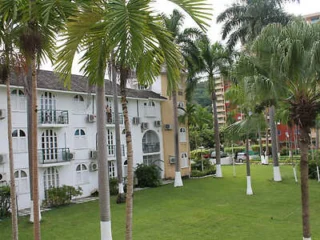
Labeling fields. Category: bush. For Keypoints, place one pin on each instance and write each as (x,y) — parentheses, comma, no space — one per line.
(198,164)
(208,171)
(59,196)
(313,170)
(148,176)
(4,201)
(113,183)
(284,151)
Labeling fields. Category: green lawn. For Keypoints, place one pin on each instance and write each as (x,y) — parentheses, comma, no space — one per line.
(203,209)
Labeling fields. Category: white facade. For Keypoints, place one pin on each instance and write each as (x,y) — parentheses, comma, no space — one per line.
(67,140)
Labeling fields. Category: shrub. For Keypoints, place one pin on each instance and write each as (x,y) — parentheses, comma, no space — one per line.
(198,164)
(148,176)
(313,170)
(59,196)
(208,171)
(4,201)
(113,183)
(284,151)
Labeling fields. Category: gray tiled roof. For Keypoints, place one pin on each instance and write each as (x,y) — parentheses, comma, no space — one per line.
(49,80)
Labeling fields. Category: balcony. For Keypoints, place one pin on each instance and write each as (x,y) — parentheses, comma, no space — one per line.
(111,118)
(53,118)
(111,151)
(54,157)
(151,147)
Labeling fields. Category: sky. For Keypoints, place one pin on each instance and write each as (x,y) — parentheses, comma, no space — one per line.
(214,31)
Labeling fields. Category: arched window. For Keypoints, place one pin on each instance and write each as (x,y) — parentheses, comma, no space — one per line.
(82,174)
(78,98)
(18,100)
(19,140)
(21,180)
(149,109)
(150,142)
(184,160)
(182,134)
(49,145)
(80,139)
(48,108)
(50,178)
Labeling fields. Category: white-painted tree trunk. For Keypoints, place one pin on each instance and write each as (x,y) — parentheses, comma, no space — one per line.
(306,238)
(249,187)
(234,168)
(106,230)
(295,174)
(318,174)
(266,160)
(178,180)
(262,159)
(276,174)
(120,186)
(31,219)
(218,171)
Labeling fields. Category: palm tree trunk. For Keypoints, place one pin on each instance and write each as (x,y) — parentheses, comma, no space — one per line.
(129,197)
(317,151)
(216,134)
(260,146)
(266,157)
(34,153)
(177,178)
(273,127)
(249,188)
(13,194)
(104,193)
(121,198)
(304,141)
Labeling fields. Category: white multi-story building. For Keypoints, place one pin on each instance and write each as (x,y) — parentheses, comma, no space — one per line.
(67,134)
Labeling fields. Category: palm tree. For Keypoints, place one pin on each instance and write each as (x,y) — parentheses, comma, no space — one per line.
(293,53)
(244,20)
(189,52)
(6,59)
(121,196)
(214,60)
(140,41)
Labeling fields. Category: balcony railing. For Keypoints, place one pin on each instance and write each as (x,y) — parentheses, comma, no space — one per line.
(54,155)
(111,150)
(151,147)
(56,117)
(111,118)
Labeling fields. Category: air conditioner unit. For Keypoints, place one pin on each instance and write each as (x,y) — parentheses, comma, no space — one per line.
(157,123)
(91,118)
(93,167)
(67,156)
(93,154)
(3,177)
(144,125)
(135,120)
(167,127)
(172,159)
(2,113)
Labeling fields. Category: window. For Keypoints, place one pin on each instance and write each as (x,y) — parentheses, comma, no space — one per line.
(21,179)
(50,178)
(78,98)
(183,135)
(149,109)
(152,160)
(18,100)
(49,145)
(112,172)
(181,105)
(48,107)
(82,174)
(150,142)
(279,132)
(184,160)
(110,143)
(19,140)
(80,140)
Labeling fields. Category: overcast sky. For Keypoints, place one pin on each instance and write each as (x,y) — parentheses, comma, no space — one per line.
(214,32)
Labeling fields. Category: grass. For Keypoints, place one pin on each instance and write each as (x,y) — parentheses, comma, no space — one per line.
(203,209)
